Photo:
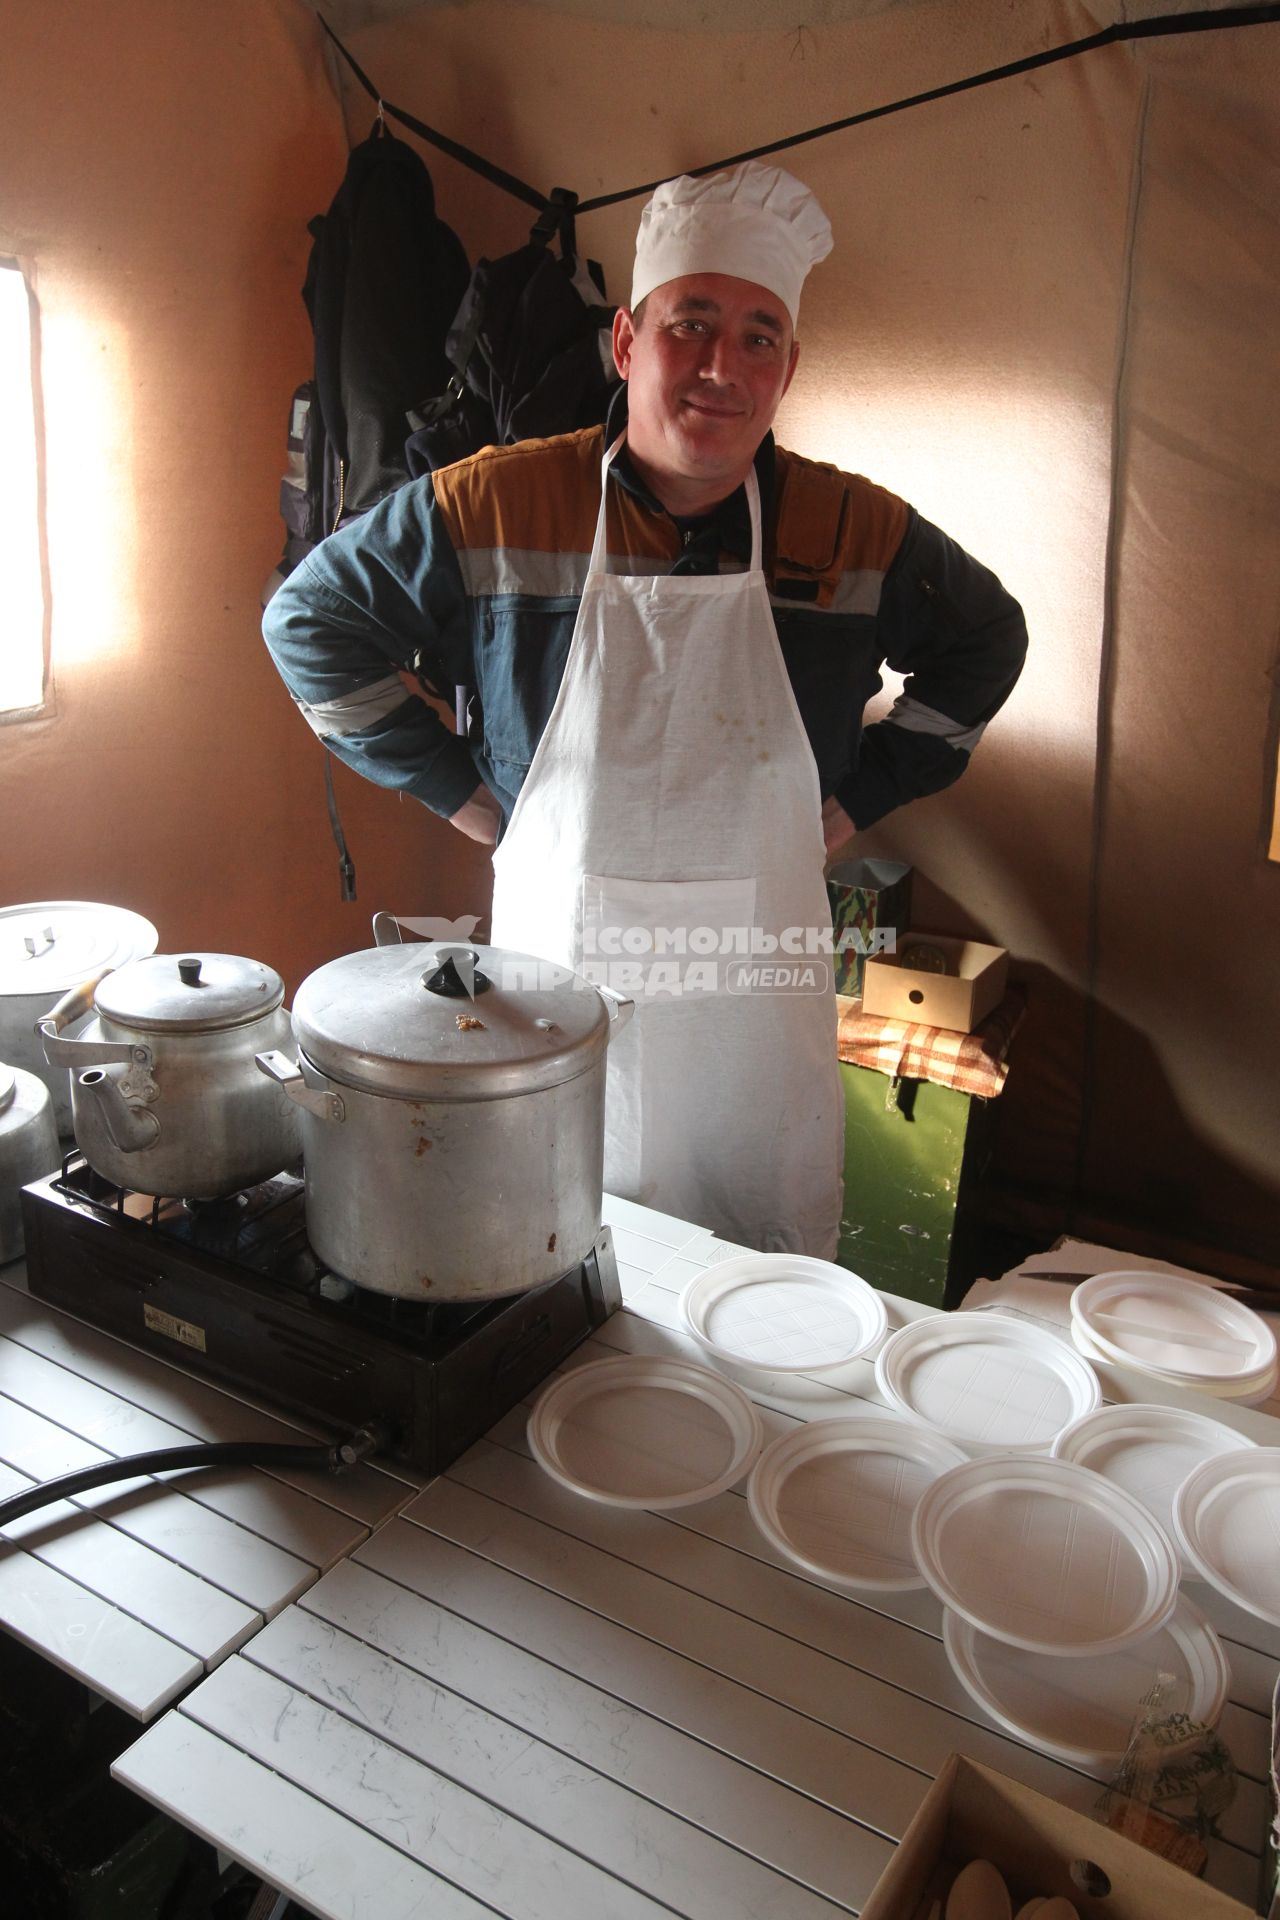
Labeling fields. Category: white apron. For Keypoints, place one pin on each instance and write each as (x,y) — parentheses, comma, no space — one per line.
(672,807)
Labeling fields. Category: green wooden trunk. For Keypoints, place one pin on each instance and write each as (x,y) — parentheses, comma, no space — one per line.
(912,1150)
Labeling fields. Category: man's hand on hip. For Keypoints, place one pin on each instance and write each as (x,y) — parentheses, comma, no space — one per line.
(479,817)
(837,827)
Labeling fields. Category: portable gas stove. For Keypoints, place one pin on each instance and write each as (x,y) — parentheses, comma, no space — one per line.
(230,1289)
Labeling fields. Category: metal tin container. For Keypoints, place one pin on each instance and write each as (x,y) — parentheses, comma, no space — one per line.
(28,1148)
(47,948)
(452,1117)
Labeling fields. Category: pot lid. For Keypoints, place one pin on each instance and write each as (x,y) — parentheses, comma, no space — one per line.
(47,946)
(8,1088)
(448,1022)
(190,992)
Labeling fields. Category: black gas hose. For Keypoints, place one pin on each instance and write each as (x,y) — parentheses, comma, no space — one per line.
(338,1458)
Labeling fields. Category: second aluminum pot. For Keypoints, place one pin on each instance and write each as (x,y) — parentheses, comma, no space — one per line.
(452,1117)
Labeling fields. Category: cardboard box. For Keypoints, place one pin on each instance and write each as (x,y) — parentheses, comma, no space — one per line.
(870,907)
(972,1812)
(960,998)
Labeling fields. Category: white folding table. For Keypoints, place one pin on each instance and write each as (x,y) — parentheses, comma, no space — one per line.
(141,1587)
(506,1700)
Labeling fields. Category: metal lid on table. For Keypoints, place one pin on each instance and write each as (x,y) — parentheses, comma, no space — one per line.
(189,993)
(47,946)
(443,1022)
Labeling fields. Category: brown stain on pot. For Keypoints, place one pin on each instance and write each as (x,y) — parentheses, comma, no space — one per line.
(424,1146)
(551,1244)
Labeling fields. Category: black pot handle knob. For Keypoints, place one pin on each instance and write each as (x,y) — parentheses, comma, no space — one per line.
(457,976)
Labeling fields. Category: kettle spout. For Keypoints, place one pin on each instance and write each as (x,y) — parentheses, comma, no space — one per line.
(130,1128)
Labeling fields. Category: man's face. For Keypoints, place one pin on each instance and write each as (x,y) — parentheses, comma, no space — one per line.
(705,369)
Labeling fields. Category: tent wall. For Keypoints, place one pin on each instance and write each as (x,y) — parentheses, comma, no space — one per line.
(1185,1119)
(158,166)
(1048,323)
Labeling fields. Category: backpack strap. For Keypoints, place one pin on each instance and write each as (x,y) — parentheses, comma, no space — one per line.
(346,865)
(556,221)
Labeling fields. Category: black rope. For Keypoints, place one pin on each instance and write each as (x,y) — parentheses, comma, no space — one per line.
(1167,23)
(1160,25)
(496,175)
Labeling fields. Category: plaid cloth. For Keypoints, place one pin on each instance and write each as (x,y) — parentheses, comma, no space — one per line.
(907,1050)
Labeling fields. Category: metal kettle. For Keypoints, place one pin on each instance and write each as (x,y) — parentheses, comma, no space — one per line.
(165,1095)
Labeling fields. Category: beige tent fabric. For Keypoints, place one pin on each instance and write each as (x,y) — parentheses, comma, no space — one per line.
(1020,273)
(1184,1127)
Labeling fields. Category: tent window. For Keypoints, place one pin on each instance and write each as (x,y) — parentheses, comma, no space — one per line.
(22,582)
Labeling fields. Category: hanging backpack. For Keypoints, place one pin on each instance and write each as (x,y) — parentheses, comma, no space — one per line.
(530,349)
(383,283)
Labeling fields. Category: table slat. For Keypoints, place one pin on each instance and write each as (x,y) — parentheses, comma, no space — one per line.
(303,1847)
(118,1657)
(490,1855)
(640,1750)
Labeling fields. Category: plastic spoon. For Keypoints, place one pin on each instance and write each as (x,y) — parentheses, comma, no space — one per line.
(979,1893)
(1142,1330)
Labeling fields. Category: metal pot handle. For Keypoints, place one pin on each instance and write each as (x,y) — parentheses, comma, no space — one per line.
(389,928)
(386,930)
(620,1007)
(322,1101)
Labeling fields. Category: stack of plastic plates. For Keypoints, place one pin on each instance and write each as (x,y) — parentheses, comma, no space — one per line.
(640,1432)
(1227,1516)
(837,1496)
(783,1313)
(1179,1331)
(1044,1555)
(1081,1711)
(986,1380)
(1149,1451)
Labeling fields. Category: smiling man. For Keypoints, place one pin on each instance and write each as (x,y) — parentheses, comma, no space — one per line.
(705,368)
(670,629)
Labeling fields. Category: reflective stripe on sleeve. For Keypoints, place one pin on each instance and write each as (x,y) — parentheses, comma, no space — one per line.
(912,717)
(353,712)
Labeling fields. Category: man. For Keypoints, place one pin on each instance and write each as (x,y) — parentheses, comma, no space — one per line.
(671,735)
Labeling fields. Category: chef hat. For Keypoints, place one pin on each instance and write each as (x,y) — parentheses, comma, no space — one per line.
(757,223)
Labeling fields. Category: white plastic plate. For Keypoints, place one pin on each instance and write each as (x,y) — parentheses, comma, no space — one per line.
(783,1312)
(1178,1327)
(1149,1451)
(1082,1711)
(986,1380)
(1247,1394)
(1227,1513)
(645,1432)
(836,1496)
(1045,1555)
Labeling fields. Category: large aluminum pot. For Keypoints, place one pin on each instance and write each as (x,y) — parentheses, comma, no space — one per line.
(452,1117)
(48,947)
(166,1096)
(28,1149)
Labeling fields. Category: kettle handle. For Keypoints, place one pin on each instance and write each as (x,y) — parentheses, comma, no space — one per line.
(60,1052)
(74,1002)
